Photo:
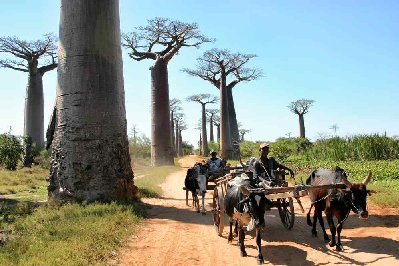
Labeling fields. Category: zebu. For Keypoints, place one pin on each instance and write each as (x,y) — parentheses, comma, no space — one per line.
(336,203)
(195,182)
(244,207)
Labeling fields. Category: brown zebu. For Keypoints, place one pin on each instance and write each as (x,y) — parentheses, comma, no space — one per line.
(336,202)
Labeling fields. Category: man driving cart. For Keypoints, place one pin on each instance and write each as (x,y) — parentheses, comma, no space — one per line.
(265,165)
(215,166)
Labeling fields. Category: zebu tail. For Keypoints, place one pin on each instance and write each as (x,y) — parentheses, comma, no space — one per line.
(308,220)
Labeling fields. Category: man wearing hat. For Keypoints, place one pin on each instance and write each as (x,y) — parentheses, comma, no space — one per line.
(215,166)
(265,165)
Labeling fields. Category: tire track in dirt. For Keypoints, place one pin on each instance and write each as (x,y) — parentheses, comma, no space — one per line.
(175,234)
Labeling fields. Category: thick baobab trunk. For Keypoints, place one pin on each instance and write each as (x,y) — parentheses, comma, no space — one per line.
(218,133)
(90,155)
(172,134)
(301,126)
(234,133)
(161,149)
(203,131)
(34,115)
(211,138)
(176,137)
(225,137)
(180,144)
(200,144)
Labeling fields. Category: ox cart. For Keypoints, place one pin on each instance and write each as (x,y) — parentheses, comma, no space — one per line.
(280,194)
(211,184)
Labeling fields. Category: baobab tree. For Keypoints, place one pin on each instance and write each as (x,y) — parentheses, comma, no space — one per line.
(36,58)
(242,133)
(179,122)
(211,113)
(203,99)
(174,106)
(301,107)
(216,122)
(90,155)
(182,126)
(217,66)
(169,36)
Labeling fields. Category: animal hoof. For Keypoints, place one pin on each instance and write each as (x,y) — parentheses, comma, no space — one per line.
(331,244)
(243,253)
(260,260)
(339,247)
(203,213)
(198,211)
(326,239)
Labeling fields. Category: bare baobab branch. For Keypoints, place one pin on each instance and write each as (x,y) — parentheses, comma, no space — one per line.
(30,52)
(166,35)
(225,70)
(300,107)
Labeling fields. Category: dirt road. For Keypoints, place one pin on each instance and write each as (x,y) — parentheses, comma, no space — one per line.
(175,234)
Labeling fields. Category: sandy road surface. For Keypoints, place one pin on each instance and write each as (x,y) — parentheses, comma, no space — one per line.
(175,234)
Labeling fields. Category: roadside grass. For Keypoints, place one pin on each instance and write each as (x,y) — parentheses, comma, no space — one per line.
(26,184)
(71,233)
(148,180)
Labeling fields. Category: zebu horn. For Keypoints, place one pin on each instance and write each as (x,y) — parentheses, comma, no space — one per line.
(367,179)
(345,180)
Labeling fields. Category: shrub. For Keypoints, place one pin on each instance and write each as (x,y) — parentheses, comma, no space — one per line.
(11,151)
(140,147)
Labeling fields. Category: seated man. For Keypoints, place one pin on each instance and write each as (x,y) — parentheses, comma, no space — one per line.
(215,166)
(264,166)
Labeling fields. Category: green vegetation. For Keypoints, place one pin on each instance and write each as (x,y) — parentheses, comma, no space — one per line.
(149,179)
(70,234)
(10,151)
(26,184)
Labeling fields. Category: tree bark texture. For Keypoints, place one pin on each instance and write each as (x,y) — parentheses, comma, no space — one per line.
(200,145)
(172,134)
(218,133)
(180,144)
(211,138)
(161,149)
(203,131)
(177,137)
(301,126)
(234,133)
(90,155)
(225,137)
(34,109)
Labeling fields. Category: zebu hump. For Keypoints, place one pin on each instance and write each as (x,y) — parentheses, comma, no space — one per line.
(322,177)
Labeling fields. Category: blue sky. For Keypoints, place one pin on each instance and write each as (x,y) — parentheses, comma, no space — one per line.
(343,54)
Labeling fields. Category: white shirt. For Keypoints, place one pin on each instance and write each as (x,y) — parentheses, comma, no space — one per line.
(214,164)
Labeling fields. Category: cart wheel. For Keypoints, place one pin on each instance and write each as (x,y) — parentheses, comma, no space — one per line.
(218,211)
(286,210)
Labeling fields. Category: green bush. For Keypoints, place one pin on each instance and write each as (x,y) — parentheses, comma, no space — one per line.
(140,147)
(355,148)
(43,159)
(11,151)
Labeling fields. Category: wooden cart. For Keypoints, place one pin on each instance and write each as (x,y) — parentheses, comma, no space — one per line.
(280,195)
